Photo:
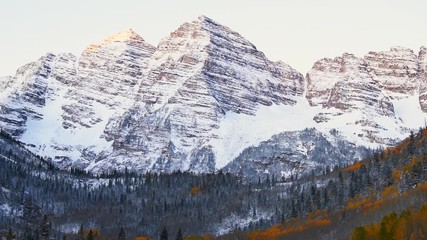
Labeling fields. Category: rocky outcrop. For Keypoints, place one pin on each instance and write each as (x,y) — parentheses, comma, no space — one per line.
(109,74)
(27,92)
(362,94)
(422,58)
(345,83)
(396,71)
(295,153)
(124,103)
(68,101)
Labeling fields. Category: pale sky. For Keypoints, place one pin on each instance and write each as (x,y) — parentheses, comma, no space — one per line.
(298,32)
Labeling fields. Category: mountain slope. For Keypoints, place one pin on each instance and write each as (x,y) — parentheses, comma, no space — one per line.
(332,205)
(200,98)
(209,70)
(295,153)
(25,95)
(373,100)
(60,104)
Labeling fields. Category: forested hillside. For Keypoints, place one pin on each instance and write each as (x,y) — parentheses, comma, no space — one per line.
(38,201)
(376,191)
(34,195)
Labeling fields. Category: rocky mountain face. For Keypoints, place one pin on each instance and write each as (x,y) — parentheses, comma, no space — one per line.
(124,103)
(422,58)
(374,97)
(24,96)
(108,74)
(293,153)
(200,72)
(60,104)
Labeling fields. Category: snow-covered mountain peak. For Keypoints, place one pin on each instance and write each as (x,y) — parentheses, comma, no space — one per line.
(200,98)
(205,21)
(203,18)
(196,75)
(127,35)
(401,49)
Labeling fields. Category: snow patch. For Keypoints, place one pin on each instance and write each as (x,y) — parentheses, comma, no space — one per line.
(409,111)
(233,222)
(6,209)
(69,228)
(54,140)
(239,131)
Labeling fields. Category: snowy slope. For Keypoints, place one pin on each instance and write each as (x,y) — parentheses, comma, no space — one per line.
(204,97)
(200,72)
(61,104)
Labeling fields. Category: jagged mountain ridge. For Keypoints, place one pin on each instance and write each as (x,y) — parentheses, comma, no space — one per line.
(210,70)
(124,103)
(376,95)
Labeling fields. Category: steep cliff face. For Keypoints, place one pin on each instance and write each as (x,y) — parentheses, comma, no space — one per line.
(60,105)
(345,83)
(396,71)
(108,75)
(25,95)
(422,58)
(200,72)
(205,96)
(371,97)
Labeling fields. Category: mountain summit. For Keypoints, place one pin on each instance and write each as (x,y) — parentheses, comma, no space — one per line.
(199,73)
(126,35)
(206,96)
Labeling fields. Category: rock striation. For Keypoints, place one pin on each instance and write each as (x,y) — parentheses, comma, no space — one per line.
(124,103)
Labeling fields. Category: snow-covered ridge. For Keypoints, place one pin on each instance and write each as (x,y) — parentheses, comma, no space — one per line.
(200,72)
(200,98)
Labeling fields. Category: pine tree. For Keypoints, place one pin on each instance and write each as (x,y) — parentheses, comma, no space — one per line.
(164,234)
(294,213)
(80,233)
(179,235)
(387,174)
(10,235)
(325,198)
(412,146)
(122,235)
(359,233)
(28,209)
(45,228)
(90,235)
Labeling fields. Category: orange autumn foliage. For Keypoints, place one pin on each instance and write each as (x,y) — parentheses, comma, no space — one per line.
(370,203)
(357,202)
(142,238)
(410,224)
(204,237)
(390,192)
(95,232)
(195,190)
(369,206)
(372,231)
(397,175)
(293,226)
(353,167)
(422,186)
